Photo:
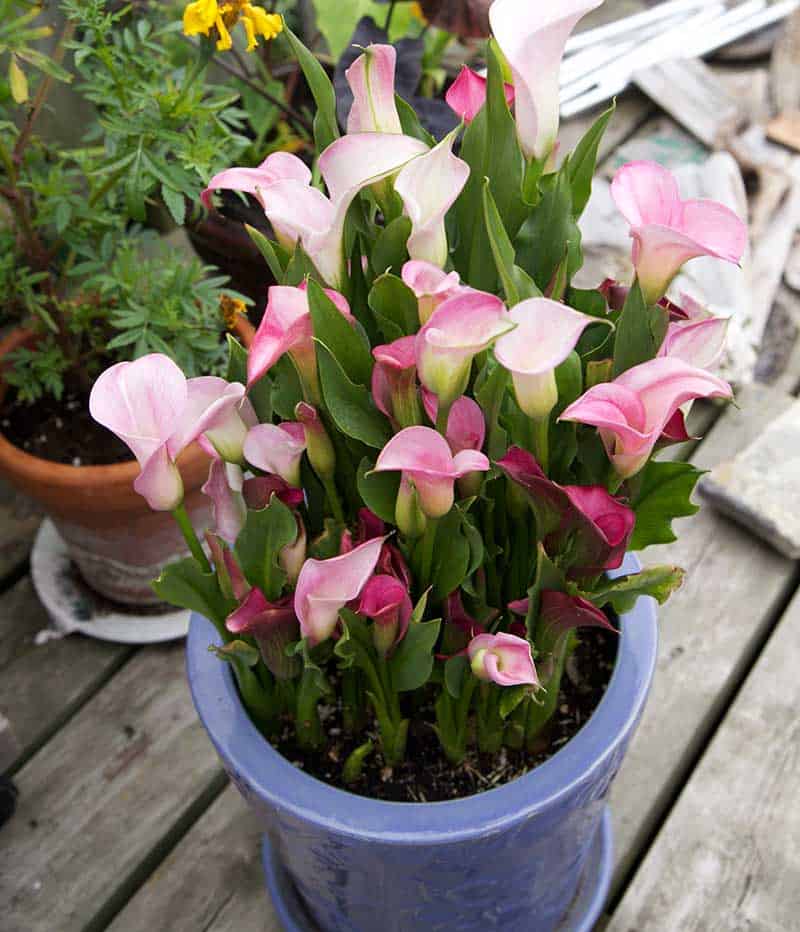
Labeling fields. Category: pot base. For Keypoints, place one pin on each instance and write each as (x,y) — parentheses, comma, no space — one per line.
(73,606)
(582,916)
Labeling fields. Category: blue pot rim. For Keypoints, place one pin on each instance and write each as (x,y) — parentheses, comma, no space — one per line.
(282,785)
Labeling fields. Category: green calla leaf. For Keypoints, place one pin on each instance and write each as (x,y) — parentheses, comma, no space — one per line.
(451,555)
(185,584)
(378,490)
(621,593)
(268,250)
(265,533)
(339,337)
(455,669)
(517,284)
(285,388)
(394,302)
(583,161)
(661,493)
(326,127)
(389,252)
(634,342)
(412,663)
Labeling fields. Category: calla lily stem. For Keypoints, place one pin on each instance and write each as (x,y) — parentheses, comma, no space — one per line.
(540,428)
(181,516)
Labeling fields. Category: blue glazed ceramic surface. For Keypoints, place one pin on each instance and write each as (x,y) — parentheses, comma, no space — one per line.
(510,858)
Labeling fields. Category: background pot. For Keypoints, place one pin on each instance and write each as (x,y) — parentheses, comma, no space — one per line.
(510,858)
(118,544)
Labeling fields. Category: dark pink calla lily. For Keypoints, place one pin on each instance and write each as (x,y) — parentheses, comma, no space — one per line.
(502,658)
(632,411)
(467,94)
(668,231)
(258,491)
(598,525)
(386,601)
(274,626)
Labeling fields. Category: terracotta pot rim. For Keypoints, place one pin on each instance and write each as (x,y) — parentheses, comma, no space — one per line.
(37,468)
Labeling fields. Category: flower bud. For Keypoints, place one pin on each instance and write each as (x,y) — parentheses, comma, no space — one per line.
(319,448)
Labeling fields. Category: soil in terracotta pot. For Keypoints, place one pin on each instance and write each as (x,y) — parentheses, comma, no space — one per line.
(62,431)
(427,775)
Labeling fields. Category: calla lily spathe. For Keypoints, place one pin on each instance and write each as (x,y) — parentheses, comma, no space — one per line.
(668,231)
(428,186)
(224,488)
(386,601)
(466,425)
(632,411)
(371,79)
(431,286)
(394,381)
(324,587)
(154,409)
(502,658)
(274,627)
(460,328)
(532,37)
(546,333)
(278,166)
(467,94)
(277,449)
(424,458)
(697,342)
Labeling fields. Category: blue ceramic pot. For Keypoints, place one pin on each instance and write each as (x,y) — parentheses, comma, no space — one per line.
(511,858)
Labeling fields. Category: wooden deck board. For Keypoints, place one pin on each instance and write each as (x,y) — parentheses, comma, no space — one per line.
(42,685)
(19,521)
(709,630)
(728,857)
(104,798)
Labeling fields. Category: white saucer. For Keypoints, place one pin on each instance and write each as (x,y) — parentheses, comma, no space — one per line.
(73,606)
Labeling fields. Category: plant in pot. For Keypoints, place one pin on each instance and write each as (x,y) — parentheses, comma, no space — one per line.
(84,286)
(435,647)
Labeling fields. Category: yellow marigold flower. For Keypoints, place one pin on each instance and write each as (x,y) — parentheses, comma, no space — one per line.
(231,308)
(203,16)
(416,12)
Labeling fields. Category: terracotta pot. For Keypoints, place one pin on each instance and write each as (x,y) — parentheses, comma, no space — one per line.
(117,543)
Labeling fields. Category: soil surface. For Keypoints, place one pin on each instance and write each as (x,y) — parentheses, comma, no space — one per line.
(61,431)
(427,775)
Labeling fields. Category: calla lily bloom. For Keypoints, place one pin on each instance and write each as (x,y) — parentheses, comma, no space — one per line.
(348,165)
(224,488)
(258,490)
(293,556)
(593,523)
(386,601)
(632,411)
(319,446)
(460,328)
(466,425)
(560,613)
(424,458)
(546,334)
(324,587)
(279,166)
(274,626)
(502,658)
(391,561)
(394,381)
(286,328)
(668,231)
(459,627)
(532,37)
(429,185)
(371,79)
(152,407)
(430,285)
(467,94)
(277,449)
(697,342)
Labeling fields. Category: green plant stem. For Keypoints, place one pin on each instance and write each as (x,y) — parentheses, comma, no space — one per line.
(307,724)
(614,481)
(333,498)
(426,552)
(388,24)
(190,536)
(540,428)
(442,416)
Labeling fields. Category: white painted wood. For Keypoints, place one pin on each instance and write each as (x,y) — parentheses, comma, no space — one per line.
(102,796)
(707,631)
(728,857)
(212,880)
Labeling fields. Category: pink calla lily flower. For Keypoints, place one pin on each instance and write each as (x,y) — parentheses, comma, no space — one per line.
(668,231)
(258,490)
(324,587)
(430,285)
(154,409)
(560,613)
(697,342)
(429,185)
(394,381)
(386,601)
(424,458)
(632,411)
(371,79)
(466,425)
(273,625)
(280,166)
(502,658)
(277,449)
(532,37)
(460,328)
(592,522)
(286,328)
(224,488)
(546,334)
(467,94)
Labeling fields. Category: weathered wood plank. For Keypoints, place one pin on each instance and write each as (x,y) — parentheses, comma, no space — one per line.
(42,685)
(103,801)
(19,521)
(212,880)
(728,857)
(709,630)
